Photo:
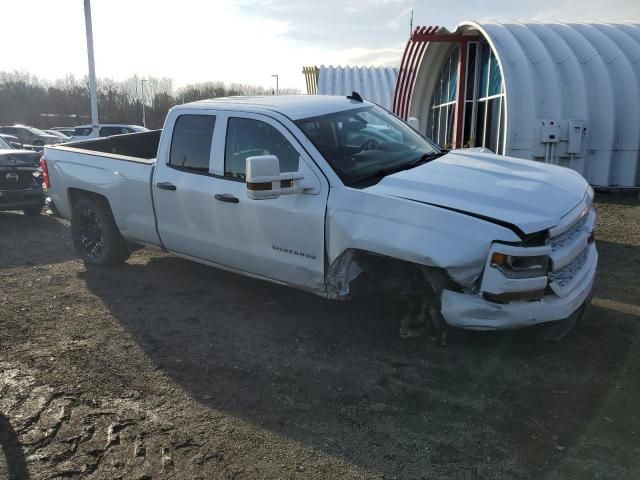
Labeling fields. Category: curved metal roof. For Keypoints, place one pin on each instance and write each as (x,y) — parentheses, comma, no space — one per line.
(577,75)
(376,84)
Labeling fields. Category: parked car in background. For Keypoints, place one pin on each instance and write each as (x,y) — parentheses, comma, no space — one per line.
(59,134)
(16,143)
(11,140)
(86,132)
(20,180)
(68,131)
(337,196)
(30,135)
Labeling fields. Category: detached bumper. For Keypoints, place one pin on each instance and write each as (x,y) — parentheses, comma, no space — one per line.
(475,313)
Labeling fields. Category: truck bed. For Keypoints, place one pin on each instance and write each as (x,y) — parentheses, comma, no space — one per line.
(118,168)
(134,147)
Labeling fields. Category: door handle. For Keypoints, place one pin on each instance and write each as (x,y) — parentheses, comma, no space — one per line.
(166,186)
(226,197)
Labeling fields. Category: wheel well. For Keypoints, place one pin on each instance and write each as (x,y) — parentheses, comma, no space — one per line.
(357,272)
(76,194)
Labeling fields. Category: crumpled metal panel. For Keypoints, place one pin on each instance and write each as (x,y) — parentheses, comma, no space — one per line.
(582,76)
(376,84)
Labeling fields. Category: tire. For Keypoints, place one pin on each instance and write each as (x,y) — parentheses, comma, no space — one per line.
(32,211)
(96,236)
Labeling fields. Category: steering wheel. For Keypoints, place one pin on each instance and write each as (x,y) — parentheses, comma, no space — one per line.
(370,144)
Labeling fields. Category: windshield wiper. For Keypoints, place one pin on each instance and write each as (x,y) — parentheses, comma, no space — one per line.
(427,157)
(383,172)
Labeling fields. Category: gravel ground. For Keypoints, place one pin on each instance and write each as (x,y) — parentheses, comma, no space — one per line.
(162,368)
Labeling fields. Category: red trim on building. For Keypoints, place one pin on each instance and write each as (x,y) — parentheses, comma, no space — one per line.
(411,58)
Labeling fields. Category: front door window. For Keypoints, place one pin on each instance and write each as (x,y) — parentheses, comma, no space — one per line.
(247,137)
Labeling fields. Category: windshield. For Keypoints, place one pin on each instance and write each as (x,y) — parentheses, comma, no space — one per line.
(4,144)
(365,142)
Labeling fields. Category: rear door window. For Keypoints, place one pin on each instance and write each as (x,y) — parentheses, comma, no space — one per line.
(191,143)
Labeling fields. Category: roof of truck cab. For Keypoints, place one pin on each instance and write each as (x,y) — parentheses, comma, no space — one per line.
(293,106)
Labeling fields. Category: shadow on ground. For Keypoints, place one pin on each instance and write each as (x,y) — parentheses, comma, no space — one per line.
(336,376)
(13,465)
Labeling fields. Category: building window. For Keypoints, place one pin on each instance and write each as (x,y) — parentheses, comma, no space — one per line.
(443,104)
(484,109)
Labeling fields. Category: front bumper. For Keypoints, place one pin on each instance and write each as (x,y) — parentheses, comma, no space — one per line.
(470,311)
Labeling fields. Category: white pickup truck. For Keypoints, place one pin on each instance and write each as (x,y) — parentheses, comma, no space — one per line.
(337,196)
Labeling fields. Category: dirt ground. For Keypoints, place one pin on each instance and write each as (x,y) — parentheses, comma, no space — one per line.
(162,368)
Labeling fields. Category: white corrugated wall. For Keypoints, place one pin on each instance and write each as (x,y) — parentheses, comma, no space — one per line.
(584,77)
(376,84)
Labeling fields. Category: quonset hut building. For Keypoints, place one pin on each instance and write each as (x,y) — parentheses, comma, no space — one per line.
(563,93)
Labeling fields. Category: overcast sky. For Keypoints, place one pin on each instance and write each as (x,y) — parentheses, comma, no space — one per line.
(246,40)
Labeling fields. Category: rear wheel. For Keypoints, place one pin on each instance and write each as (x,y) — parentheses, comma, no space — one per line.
(96,236)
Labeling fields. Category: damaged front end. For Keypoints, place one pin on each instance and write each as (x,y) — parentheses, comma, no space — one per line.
(453,268)
(531,283)
(543,279)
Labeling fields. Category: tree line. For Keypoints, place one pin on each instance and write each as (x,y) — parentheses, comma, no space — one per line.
(29,100)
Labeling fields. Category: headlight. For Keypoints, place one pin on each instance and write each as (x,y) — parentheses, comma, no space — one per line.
(520,267)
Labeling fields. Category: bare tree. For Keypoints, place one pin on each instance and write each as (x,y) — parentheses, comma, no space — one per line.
(25,98)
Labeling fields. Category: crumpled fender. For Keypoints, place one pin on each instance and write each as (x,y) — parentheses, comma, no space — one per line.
(406,230)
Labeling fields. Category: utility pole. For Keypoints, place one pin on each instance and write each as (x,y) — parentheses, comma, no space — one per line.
(277,87)
(411,23)
(92,65)
(144,116)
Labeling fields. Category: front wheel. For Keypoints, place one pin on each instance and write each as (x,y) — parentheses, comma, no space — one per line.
(96,236)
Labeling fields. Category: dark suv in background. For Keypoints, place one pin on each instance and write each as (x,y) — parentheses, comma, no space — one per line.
(20,180)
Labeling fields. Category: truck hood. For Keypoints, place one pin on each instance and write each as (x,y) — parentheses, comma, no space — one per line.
(530,196)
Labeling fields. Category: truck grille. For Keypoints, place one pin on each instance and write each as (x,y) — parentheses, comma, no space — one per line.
(567,237)
(569,254)
(563,277)
(8,180)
